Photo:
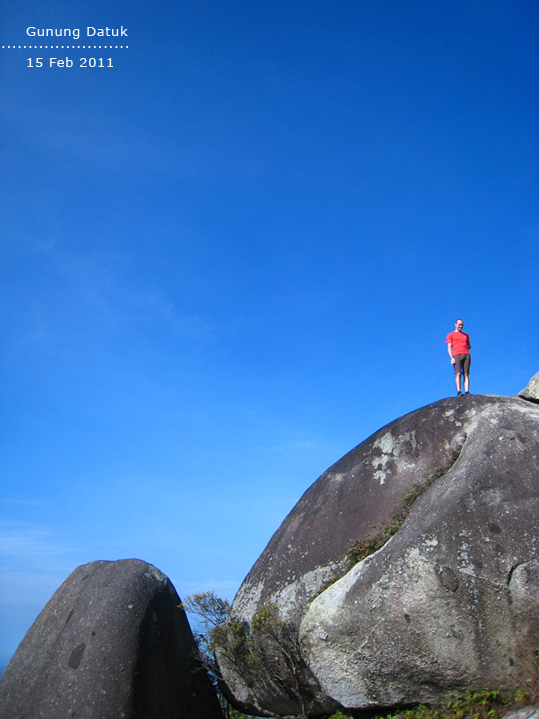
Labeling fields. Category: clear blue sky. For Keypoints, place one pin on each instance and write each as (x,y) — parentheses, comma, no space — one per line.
(229,258)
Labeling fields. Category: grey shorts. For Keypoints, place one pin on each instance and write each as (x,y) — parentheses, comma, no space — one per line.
(462,363)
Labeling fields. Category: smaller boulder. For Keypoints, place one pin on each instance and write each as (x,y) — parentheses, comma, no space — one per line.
(531,392)
(111,642)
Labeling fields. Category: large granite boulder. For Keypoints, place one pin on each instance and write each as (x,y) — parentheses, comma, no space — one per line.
(451,601)
(111,642)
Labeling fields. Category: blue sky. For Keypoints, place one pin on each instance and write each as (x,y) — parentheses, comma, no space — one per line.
(231,257)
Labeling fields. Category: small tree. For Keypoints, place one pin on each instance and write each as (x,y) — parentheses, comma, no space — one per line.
(266,651)
(211,612)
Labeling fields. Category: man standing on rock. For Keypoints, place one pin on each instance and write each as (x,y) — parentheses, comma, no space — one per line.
(458,347)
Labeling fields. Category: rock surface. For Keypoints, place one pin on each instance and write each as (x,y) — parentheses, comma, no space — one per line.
(451,601)
(529,712)
(111,642)
(531,391)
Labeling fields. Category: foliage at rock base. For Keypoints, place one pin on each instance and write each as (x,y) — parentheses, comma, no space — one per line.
(252,647)
(486,704)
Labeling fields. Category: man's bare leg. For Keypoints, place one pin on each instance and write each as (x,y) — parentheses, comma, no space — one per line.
(466,382)
(457,381)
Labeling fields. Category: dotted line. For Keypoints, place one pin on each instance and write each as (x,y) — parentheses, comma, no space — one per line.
(67,47)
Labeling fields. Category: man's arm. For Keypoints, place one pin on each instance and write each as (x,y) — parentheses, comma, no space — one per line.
(450,352)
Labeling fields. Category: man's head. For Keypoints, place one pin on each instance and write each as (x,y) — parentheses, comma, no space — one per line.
(459,324)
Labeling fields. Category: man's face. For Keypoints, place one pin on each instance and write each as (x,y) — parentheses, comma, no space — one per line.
(459,324)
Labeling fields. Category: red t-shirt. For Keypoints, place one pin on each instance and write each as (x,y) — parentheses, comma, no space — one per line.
(460,342)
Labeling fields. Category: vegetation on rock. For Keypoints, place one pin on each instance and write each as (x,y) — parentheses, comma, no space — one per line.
(485,704)
(363,548)
(372,543)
